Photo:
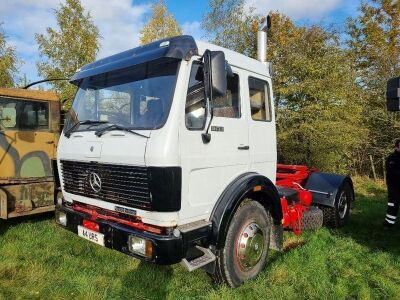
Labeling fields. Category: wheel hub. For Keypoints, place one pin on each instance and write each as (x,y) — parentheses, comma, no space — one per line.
(250,246)
(342,207)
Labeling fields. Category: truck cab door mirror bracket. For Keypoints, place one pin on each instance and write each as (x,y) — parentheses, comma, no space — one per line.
(216,70)
(206,136)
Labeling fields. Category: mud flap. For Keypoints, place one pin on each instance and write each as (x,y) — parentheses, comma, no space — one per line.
(276,237)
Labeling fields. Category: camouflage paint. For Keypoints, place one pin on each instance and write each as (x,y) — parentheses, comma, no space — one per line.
(26,176)
(28,196)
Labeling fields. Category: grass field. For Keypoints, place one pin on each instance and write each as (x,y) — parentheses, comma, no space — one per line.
(39,260)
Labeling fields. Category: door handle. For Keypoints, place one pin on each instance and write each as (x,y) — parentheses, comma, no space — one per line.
(50,142)
(243,147)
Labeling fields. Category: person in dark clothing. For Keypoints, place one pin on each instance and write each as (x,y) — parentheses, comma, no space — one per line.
(393,186)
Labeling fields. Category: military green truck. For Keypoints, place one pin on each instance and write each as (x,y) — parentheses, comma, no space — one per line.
(29,133)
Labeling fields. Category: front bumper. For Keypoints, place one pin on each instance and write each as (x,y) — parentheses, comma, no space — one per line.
(167,249)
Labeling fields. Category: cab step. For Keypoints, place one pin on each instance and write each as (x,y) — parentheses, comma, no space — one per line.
(200,261)
(194,226)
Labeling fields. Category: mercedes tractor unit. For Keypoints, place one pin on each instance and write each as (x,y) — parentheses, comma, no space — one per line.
(169,155)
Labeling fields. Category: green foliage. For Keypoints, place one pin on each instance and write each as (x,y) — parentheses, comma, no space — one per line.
(316,96)
(8,62)
(317,99)
(228,24)
(161,25)
(74,44)
(374,42)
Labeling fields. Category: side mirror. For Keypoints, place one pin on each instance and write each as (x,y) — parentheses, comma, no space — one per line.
(215,72)
(393,94)
(8,117)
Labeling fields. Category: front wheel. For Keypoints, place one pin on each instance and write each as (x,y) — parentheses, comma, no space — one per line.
(245,251)
(337,216)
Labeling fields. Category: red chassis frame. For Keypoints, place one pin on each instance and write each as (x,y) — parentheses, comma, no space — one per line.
(294,177)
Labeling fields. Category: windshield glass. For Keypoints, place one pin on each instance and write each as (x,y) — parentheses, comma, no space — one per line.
(137,97)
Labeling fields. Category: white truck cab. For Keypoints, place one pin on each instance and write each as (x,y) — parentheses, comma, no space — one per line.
(169,155)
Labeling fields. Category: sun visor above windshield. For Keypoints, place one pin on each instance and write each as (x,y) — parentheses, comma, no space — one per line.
(179,47)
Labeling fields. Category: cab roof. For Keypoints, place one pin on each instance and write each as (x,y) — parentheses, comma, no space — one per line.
(236,59)
(178,47)
(29,94)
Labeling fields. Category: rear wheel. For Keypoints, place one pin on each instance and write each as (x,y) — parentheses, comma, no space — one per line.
(245,251)
(337,216)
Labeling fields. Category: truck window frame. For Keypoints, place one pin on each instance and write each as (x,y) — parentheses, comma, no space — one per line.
(239,100)
(70,120)
(206,112)
(49,115)
(268,93)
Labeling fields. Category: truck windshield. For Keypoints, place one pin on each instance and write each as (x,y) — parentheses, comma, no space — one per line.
(137,97)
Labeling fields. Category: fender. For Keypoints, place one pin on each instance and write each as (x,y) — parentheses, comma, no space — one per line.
(233,195)
(324,187)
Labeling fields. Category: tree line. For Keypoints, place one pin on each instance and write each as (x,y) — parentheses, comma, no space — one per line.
(329,81)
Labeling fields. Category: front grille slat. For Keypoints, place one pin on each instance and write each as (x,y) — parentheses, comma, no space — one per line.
(127,185)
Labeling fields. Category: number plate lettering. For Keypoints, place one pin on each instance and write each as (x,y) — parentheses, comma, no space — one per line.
(95,237)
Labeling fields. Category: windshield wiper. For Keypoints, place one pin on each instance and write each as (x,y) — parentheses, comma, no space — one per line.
(68,132)
(100,132)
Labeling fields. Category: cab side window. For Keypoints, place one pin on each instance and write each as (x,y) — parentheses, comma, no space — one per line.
(195,108)
(228,106)
(24,114)
(34,115)
(259,100)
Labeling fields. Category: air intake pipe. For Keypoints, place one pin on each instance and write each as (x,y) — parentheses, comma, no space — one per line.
(262,40)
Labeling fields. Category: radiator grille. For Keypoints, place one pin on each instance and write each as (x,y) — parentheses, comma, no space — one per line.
(126,185)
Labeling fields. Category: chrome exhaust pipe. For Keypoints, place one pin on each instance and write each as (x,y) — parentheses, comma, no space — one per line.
(262,40)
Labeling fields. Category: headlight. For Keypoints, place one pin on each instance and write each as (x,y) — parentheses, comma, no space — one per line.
(61,218)
(140,246)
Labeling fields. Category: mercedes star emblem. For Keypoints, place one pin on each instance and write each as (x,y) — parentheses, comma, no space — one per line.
(95,182)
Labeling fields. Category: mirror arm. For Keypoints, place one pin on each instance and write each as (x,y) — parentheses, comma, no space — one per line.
(206,137)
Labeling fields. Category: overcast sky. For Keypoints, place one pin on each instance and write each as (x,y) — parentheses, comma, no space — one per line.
(120,21)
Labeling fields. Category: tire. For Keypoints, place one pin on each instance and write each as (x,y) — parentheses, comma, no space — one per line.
(338,215)
(312,219)
(250,226)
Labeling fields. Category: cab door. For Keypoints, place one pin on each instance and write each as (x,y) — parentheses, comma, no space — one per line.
(35,139)
(261,124)
(208,168)
(27,143)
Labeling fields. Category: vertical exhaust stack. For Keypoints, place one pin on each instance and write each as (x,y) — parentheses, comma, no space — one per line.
(262,40)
